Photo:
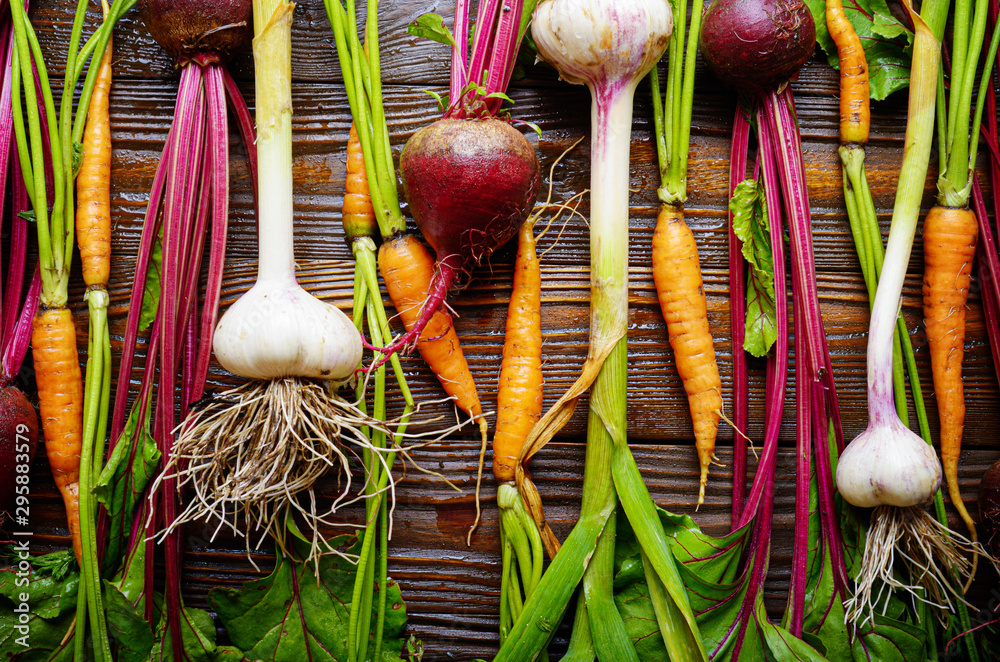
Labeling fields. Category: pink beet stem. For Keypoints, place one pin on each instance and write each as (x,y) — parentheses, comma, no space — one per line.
(13,355)
(481,42)
(737,315)
(179,201)
(244,122)
(459,75)
(778,363)
(504,53)
(218,145)
(150,230)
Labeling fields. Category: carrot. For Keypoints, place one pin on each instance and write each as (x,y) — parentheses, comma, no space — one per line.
(358,212)
(407,268)
(93,190)
(949,244)
(855,109)
(677,275)
(60,400)
(519,396)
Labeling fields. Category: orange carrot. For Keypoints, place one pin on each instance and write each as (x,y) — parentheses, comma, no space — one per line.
(358,213)
(677,275)
(407,268)
(60,400)
(855,109)
(519,396)
(949,243)
(93,190)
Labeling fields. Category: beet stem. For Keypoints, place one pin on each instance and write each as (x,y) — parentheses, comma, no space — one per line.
(244,122)
(459,74)
(218,144)
(737,315)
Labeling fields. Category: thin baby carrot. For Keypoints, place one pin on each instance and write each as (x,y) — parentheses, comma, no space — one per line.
(677,275)
(855,109)
(93,208)
(358,213)
(60,401)
(519,396)
(949,245)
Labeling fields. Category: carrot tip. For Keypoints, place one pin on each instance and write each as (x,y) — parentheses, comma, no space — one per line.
(484,429)
(702,482)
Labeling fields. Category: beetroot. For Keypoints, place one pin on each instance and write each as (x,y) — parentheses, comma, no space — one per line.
(18,437)
(193,29)
(757,45)
(470,184)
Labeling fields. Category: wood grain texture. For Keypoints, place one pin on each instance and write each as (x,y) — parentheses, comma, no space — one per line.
(452,591)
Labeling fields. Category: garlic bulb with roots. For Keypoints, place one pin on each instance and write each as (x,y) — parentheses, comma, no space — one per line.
(256,451)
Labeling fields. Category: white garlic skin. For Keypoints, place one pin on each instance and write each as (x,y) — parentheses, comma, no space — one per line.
(594,42)
(277,329)
(888,464)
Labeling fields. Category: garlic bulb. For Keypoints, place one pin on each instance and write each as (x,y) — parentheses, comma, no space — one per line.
(888,464)
(277,330)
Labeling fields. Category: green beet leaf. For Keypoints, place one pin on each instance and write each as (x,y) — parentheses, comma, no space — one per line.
(121,484)
(887,43)
(431,26)
(293,614)
(50,588)
(750,225)
(197,635)
(889,638)
(131,633)
(151,298)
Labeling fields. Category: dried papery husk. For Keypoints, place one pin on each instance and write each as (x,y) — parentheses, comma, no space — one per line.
(935,558)
(252,456)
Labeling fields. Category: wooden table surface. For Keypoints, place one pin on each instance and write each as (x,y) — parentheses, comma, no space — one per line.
(451,590)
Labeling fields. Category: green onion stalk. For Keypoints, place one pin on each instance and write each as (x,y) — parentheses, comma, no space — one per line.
(36,124)
(360,64)
(854,131)
(899,521)
(587,42)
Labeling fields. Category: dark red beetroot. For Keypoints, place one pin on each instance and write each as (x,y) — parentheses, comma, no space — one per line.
(212,30)
(18,437)
(756,45)
(470,184)
(989,509)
